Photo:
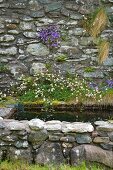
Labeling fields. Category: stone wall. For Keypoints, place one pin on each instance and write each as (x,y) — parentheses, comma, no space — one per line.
(21,52)
(56,142)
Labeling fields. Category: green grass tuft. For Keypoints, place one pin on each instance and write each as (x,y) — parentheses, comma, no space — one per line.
(24,166)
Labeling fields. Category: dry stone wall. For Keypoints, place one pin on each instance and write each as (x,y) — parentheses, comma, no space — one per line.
(56,142)
(21,52)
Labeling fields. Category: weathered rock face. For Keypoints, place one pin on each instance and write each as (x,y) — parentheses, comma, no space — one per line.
(15,126)
(21,49)
(91,153)
(53,125)
(37,124)
(77,127)
(37,137)
(6,112)
(50,153)
(8,51)
(38,68)
(83,139)
(48,143)
(38,50)
(1,154)
(20,154)
(18,70)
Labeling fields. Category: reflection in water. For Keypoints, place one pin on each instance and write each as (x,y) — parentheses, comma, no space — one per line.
(83,116)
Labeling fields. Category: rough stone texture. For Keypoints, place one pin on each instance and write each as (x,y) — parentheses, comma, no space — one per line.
(15,125)
(2,124)
(20,154)
(30,34)
(83,139)
(37,68)
(55,142)
(5,112)
(1,154)
(6,38)
(53,125)
(67,139)
(108,128)
(50,153)
(77,127)
(101,140)
(37,50)
(36,124)
(110,134)
(96,74)
(21,49)
(91,153)
(18,70)
(101,123)
(26,26)
(107,146)
(20,22)
(37,137)
(21,144)
(54,138)
(8,51)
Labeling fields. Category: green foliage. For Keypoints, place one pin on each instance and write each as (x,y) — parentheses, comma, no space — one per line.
(3,68)
(48,66)
(64,35)
(2,96)
(61,58)
(29,96)
(7,100)
(50,87)
(89,69)
(25,166)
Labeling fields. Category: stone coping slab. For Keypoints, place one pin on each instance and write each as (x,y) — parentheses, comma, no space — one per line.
(55,125)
